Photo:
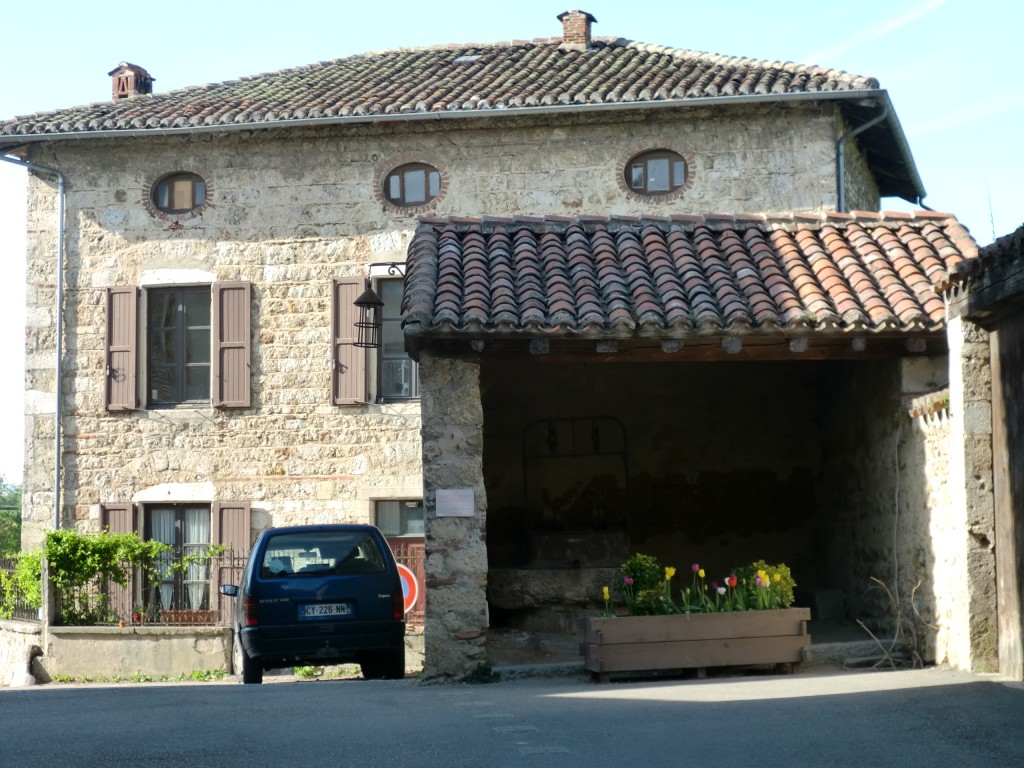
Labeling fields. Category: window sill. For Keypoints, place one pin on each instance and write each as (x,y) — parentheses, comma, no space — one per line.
(184,413)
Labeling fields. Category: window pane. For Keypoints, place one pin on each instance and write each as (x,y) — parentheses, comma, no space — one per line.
(414,518)
(391,295)
(396,377)
(415,187)
(636,176)
(388,518)
(435,183)
(197,346)
(162,309)
(394,187)
(163,384)
(197,382)
(181,195)
(392,341)
(200,187)
(678,173)
(163,195)
(163,347)
(657,175)
(197,308)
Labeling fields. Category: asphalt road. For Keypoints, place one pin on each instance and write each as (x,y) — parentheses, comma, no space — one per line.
(927,718)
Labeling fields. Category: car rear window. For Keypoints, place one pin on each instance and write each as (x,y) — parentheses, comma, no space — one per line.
(318,552)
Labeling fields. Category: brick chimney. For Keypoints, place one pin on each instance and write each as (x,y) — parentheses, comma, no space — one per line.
(576,29)
(129,80)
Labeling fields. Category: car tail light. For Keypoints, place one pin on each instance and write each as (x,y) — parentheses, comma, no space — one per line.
(397,604)
(251,617)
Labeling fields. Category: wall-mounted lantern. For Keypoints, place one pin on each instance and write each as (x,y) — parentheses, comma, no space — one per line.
(368,325)
(371,308)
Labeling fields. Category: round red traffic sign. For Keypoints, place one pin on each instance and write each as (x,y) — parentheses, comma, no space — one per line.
(410,588)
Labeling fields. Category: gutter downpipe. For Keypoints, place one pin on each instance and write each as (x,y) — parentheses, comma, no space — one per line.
(36,168)
(841,156)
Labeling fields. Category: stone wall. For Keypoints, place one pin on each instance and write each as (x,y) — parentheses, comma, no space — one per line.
(80,652)
(17,638)
(455,632)
(289,211)
(971,612)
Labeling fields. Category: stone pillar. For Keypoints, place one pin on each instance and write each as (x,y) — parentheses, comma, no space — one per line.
(455,634)
(969,631)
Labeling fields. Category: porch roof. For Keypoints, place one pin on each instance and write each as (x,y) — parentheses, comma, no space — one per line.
(992,285)
(816,274)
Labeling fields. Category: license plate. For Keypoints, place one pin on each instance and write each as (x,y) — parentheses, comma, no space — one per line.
(324,610)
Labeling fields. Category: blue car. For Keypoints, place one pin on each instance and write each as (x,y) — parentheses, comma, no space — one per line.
(319,594)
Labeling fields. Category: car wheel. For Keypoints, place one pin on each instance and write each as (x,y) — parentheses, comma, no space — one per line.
(386,665)
(252,672)
(394,664)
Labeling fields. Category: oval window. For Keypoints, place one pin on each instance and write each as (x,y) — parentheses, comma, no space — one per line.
(657,172)
(179,193)
(412,184)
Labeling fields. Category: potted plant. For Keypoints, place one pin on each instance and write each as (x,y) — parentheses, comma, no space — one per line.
(747,619)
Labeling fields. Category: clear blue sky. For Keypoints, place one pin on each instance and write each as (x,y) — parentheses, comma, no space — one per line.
(951,67)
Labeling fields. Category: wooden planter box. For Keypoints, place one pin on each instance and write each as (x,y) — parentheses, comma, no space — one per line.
(188,617)
(696,641)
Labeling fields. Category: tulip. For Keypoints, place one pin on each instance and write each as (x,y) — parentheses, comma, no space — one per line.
(721,590)
(701,573)
(695,567)
(607,597)
(669,572)
(628,580)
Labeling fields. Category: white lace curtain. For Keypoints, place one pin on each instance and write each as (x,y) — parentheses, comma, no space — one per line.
(197,540)
(162,529)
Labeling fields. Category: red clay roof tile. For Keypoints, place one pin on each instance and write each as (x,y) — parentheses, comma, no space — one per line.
(614,277)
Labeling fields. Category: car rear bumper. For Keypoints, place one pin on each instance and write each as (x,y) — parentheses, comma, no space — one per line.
(302,644)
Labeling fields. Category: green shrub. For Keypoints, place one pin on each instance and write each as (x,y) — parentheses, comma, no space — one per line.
(79,562)
(26,582)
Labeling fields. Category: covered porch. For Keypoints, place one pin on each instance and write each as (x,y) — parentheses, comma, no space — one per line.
(707,390)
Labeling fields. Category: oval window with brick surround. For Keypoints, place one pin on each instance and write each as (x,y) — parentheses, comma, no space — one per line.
(412,184)
(656,172)
(179,193)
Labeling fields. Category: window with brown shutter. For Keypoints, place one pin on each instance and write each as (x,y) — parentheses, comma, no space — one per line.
(232,344)
(198,346)
(187,528)
(349,377)
(121,394)
(120,518)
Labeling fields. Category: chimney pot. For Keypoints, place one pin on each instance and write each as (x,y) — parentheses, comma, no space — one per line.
(129,80)
(576,29)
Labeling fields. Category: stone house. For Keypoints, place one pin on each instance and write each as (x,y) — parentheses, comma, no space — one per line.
(649,305)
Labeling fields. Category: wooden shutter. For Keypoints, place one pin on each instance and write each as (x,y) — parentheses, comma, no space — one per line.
(231,362)
(349,384)
(122,331)
(230,526)
(120,518)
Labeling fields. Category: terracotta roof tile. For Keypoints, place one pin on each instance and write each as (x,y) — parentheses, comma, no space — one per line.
(714,274)
(470,78)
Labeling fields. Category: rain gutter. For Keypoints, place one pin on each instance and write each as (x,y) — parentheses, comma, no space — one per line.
(61,190)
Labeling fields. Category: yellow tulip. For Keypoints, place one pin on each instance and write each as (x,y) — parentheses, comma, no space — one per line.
(669,572)
(607,597)
(701,573)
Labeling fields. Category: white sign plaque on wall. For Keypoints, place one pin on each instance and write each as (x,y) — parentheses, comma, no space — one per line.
(455,502)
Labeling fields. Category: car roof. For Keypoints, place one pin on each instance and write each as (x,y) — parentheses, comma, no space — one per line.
(326,528)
